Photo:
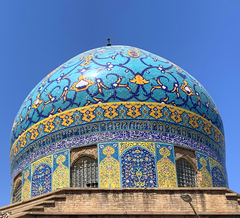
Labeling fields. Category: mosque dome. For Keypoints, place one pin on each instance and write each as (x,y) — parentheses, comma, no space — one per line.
(112,96)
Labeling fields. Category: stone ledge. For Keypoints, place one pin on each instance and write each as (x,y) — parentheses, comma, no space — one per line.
(132,213)
(131,201)
(58,193)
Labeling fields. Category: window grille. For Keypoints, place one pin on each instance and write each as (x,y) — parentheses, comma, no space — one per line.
(17,194)
(185,173)
(85,173)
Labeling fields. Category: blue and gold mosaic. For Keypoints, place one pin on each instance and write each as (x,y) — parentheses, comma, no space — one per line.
(109,168)
(142,164)
(218,173)
(113,74)
(26,183)
(61,170)
(135,105)
(42,176)
(166,167)
(213,173)
(46,174)
(142,112)
(138,164)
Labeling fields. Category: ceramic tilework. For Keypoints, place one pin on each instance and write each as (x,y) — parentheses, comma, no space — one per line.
(26,183)
(123,111)
(113,74)
(61,170)
(143,164)
(166,167)
(42,176)
(108,162)
(219,178)
(204,167)
(134,135)
(138,167)
(46,174)
(41,180)
(118,125)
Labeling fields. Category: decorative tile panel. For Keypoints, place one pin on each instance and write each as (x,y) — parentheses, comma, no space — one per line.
(42,176)
(204,167)
(138,165)
(61,170)
(166,167)
(219,177)
(108,162)
(26,183)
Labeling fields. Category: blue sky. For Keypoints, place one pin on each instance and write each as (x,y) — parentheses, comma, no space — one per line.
(202,37)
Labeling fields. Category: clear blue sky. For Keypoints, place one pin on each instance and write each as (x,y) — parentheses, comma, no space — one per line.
(202,37)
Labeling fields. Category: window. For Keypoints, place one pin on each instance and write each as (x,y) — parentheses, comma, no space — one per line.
(85,173)
(17,195)
(185,173)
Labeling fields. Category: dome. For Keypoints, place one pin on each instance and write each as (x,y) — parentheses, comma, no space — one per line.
(114,74)
(115,93)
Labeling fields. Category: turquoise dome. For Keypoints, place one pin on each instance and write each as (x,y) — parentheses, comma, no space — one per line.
(114,74)
(112,98)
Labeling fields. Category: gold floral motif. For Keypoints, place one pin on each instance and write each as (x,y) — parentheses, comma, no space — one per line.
(67,119)
(133,109)
(147,145)
(139,184)
(176,114)
(207,127)
(82,84)
(34,132)
(206,176)
(166,170)
(133,53)
(156,111)
(61,174)
(110,110)
(109,175)
(217,135)
(26,189)
(193,120)
(88,114)
(48,125)
(23,142)
(187,89)
(139,80)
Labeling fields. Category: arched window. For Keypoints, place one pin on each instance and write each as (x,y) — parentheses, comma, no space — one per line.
(17,195)
(185,173)
(85,172)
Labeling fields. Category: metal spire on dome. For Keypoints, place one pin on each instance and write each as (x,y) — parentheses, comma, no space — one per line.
(108,42)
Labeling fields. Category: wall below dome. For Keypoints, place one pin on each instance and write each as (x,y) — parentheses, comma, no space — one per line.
(123,164)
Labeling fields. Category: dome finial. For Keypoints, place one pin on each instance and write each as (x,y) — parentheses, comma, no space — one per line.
(108,42)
